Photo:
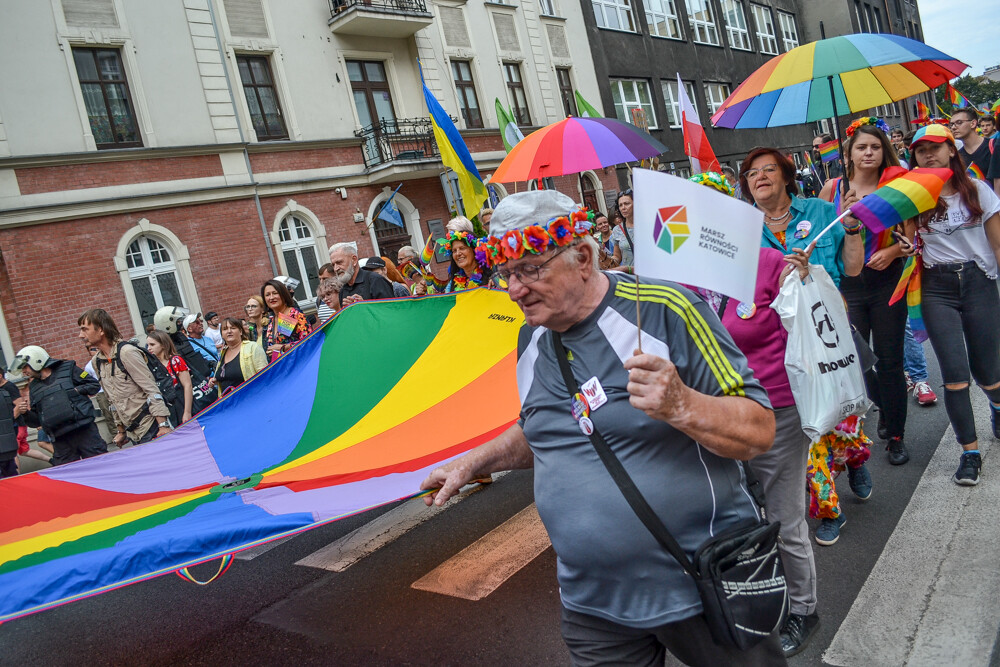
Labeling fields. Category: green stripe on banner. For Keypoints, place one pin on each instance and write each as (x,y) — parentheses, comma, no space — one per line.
(105,538)
(346,354)
(904,205)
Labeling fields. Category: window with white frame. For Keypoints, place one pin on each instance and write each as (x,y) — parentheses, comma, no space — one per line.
(629,94)
(715,95)
(548,7)
(765,29)
(673,102)
(789,35)
(298,249)
(153,276)
(703,30)
(736,25)
(614,14)
(662,18)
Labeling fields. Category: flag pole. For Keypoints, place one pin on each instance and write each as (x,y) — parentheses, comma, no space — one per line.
(638,315)
(840,135)
(826,229)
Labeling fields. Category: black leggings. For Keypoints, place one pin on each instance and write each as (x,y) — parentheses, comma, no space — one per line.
(961,310)
(868,309)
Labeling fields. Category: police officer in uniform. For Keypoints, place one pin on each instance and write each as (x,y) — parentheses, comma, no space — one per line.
(59,400)
(170,319)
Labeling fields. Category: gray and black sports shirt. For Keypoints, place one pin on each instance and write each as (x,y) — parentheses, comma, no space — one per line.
(609,565)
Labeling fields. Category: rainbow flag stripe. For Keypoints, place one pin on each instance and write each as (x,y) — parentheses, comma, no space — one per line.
(828,152)
(975,172)
(287,451)
(901,199)
(909,284)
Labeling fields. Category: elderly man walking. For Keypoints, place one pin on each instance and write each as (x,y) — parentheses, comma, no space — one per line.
(358,285)
(679,417)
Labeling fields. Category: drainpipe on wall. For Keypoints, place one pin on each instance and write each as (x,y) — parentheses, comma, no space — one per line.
(243,140)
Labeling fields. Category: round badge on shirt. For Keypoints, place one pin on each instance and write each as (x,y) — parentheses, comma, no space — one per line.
(746,310)
(802,229)
(581,409)
(586,426)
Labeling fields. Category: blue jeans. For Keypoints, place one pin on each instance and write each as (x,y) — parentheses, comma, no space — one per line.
(914,361)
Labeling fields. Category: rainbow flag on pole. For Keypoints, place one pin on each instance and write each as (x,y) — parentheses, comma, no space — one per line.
(455,154)
(956,98)
(829,151)
(974,171)
(901,198)
(811,164)
(923,112)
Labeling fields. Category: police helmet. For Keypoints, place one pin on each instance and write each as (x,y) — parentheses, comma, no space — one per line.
(166,318)
(33,356)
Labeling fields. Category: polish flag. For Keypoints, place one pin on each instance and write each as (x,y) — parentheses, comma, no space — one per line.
(696,145)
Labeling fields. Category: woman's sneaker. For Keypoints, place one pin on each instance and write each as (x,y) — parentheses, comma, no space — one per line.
(861,482)
(897,451)
(968,470)
(925,395)
(829,530)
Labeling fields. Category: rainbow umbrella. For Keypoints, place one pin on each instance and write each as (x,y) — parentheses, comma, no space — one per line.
(574,145)
(849,73)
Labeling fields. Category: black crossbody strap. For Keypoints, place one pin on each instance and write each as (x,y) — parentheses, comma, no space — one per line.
(618,473)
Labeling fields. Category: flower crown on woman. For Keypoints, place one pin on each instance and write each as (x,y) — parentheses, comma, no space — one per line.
(536,238)
(867,120)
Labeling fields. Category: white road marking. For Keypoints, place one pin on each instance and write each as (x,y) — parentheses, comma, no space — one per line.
(931,598)
(253,552)
(348,550)
(484,565)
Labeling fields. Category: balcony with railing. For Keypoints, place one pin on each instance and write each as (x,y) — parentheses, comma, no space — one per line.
(398,140)
(379,18)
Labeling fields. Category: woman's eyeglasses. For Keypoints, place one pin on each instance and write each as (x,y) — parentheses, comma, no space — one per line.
(250,307)
(768,169)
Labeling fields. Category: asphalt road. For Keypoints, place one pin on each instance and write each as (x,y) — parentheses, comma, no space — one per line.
(270,611)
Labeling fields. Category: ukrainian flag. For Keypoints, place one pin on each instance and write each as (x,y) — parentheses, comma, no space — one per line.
(455,155)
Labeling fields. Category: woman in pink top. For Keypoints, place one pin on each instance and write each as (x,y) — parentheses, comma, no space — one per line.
(757,331)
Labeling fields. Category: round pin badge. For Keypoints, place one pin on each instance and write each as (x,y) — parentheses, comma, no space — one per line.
(586,426)
(746,310)
(802,229)
(581,409)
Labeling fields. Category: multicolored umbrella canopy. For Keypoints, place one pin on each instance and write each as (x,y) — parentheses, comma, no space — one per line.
(866,70)
(327,431)
(574,145)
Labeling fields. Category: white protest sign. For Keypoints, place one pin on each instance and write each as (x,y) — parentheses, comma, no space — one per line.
(695,235)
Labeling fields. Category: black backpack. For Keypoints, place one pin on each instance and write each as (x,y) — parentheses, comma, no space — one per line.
(164,382)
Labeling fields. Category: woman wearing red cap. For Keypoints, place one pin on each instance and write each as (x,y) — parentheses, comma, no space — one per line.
(959,245)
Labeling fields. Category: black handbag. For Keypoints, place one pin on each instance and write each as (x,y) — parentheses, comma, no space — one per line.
(738,573)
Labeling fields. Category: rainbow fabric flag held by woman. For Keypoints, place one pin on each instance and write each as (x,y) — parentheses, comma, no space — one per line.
(909,284)
(975,172)
(902,198)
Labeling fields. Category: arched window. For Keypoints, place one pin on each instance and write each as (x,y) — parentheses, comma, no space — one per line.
(387,238)
(155,270)
(153,276)
(298,248)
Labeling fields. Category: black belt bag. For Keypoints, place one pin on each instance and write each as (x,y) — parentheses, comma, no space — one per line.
(738,574)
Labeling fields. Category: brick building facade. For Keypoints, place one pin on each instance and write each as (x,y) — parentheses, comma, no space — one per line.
(184,192)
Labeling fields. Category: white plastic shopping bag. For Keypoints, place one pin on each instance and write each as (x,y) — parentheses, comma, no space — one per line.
(822,361)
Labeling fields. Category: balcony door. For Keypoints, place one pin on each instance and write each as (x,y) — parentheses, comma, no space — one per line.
(373,102)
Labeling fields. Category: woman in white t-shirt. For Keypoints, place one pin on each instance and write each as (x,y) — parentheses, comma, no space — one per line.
(961,305)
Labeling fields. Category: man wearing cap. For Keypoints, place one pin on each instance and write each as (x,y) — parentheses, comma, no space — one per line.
(59,402)
(679,416)
(212,329)
(195,328)
(360,285)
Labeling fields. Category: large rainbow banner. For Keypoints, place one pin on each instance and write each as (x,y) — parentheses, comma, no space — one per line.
(352,418)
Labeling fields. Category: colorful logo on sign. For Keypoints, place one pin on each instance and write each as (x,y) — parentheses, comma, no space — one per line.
(671,229)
